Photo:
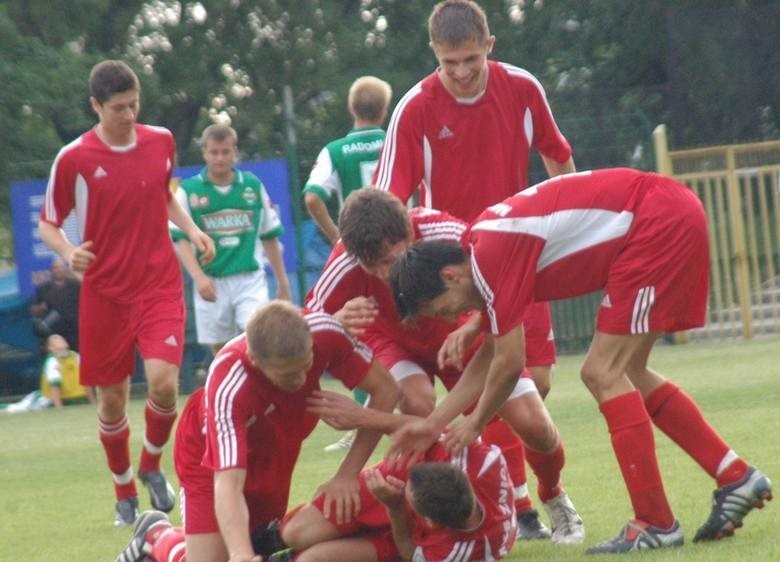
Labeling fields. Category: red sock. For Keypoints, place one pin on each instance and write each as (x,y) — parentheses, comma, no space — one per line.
(547,467)
(115,437)
(634,446)
(677,415)
(159,422)
(168,546)
(497,432)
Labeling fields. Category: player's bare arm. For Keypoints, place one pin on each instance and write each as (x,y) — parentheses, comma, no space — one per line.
(555,168)
(78,257)
(344,413)
(342,491)
(457,342)
(203,283)
(319,212)
(273,251)
(390,491)
(232,514)
(505,367)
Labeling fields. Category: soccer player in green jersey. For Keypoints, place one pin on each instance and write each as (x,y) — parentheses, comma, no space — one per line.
(348,163)
(232,206)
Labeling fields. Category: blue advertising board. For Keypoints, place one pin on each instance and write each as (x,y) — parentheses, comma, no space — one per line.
(33,257)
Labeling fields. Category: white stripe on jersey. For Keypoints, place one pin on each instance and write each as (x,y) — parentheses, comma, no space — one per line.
(493,456)
(82,202)
(485,291)
(50,210)
(528,126)
(427,167)
(446,230)
(517,71)
(565,232)
(460,552)
(387,159)
(330,279)
(640,318)
(223,414)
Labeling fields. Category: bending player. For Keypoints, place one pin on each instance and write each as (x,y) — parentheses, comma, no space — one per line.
(640,237)
(247,427)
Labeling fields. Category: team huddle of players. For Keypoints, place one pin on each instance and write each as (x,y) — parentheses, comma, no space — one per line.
(455,288)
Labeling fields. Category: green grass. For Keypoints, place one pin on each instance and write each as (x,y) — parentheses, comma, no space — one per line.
(56,499)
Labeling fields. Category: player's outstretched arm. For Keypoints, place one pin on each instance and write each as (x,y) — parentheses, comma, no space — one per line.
(342,491)
(233,515)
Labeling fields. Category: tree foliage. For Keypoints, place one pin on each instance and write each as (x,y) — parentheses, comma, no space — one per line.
(709,69)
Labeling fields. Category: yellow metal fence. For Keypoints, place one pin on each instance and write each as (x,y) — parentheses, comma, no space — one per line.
(739,186)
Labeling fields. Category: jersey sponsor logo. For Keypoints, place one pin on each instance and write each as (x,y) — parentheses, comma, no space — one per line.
(100,172)
(229,242)
(172,341)
(606,302)
(445,133)
(198,201)
(361,146)
(249,196)
(227,222)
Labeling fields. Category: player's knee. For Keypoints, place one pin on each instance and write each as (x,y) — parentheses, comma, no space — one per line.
(417,405)
(541,435)
(292,532)
(592,376)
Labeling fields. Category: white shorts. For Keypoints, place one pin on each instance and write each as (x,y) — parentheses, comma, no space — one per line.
(238,296)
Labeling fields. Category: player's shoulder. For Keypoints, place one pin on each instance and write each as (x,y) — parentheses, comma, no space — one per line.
(323,323)
(154,131)
(247,179)
(515,76)
(432,224)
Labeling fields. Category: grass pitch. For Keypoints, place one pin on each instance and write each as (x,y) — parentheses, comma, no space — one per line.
(56,500)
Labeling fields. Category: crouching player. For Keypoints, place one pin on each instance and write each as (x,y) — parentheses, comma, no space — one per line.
(448,507)
(239,438)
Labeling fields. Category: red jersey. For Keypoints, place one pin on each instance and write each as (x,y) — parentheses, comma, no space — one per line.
(120,195)
(555,240)
(252,424)
(487,471)
(343,279)
(466,155)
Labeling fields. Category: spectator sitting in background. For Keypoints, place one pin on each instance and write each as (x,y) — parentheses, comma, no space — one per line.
(56,306)
(59,380)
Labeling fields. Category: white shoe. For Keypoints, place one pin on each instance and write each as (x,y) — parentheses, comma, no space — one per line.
(344,443)
(567,526)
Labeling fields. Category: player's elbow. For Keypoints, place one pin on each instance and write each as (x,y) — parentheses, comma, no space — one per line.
(313,203)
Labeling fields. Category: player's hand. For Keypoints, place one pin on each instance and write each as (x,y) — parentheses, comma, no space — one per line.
(338,411)
(342,494)
(409,443)
(462,434)
(389,490)
(357,313)
(206,288)
(455,345)
(205,246)
(81,257)
(240,558)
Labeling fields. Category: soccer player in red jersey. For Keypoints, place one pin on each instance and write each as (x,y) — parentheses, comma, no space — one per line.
(640,237)
(462,139)
(239,438)
(116,178)
(376,228)
(448,507)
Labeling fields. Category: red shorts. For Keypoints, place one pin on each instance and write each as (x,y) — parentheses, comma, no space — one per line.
(659,282)
(110,331)
(371,524)
(539,340)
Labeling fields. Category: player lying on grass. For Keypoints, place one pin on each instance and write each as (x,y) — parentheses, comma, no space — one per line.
(375,228)
(640,237)
(449,507)
(239,438)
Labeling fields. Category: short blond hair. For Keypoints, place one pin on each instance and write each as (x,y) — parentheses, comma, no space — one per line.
(218,133)
(369,98)
(278,330)
(453,22)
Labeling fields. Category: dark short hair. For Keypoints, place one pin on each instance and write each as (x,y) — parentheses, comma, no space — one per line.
(415,277)
(442,493)
(453,22)
(370,220)
(111,77)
